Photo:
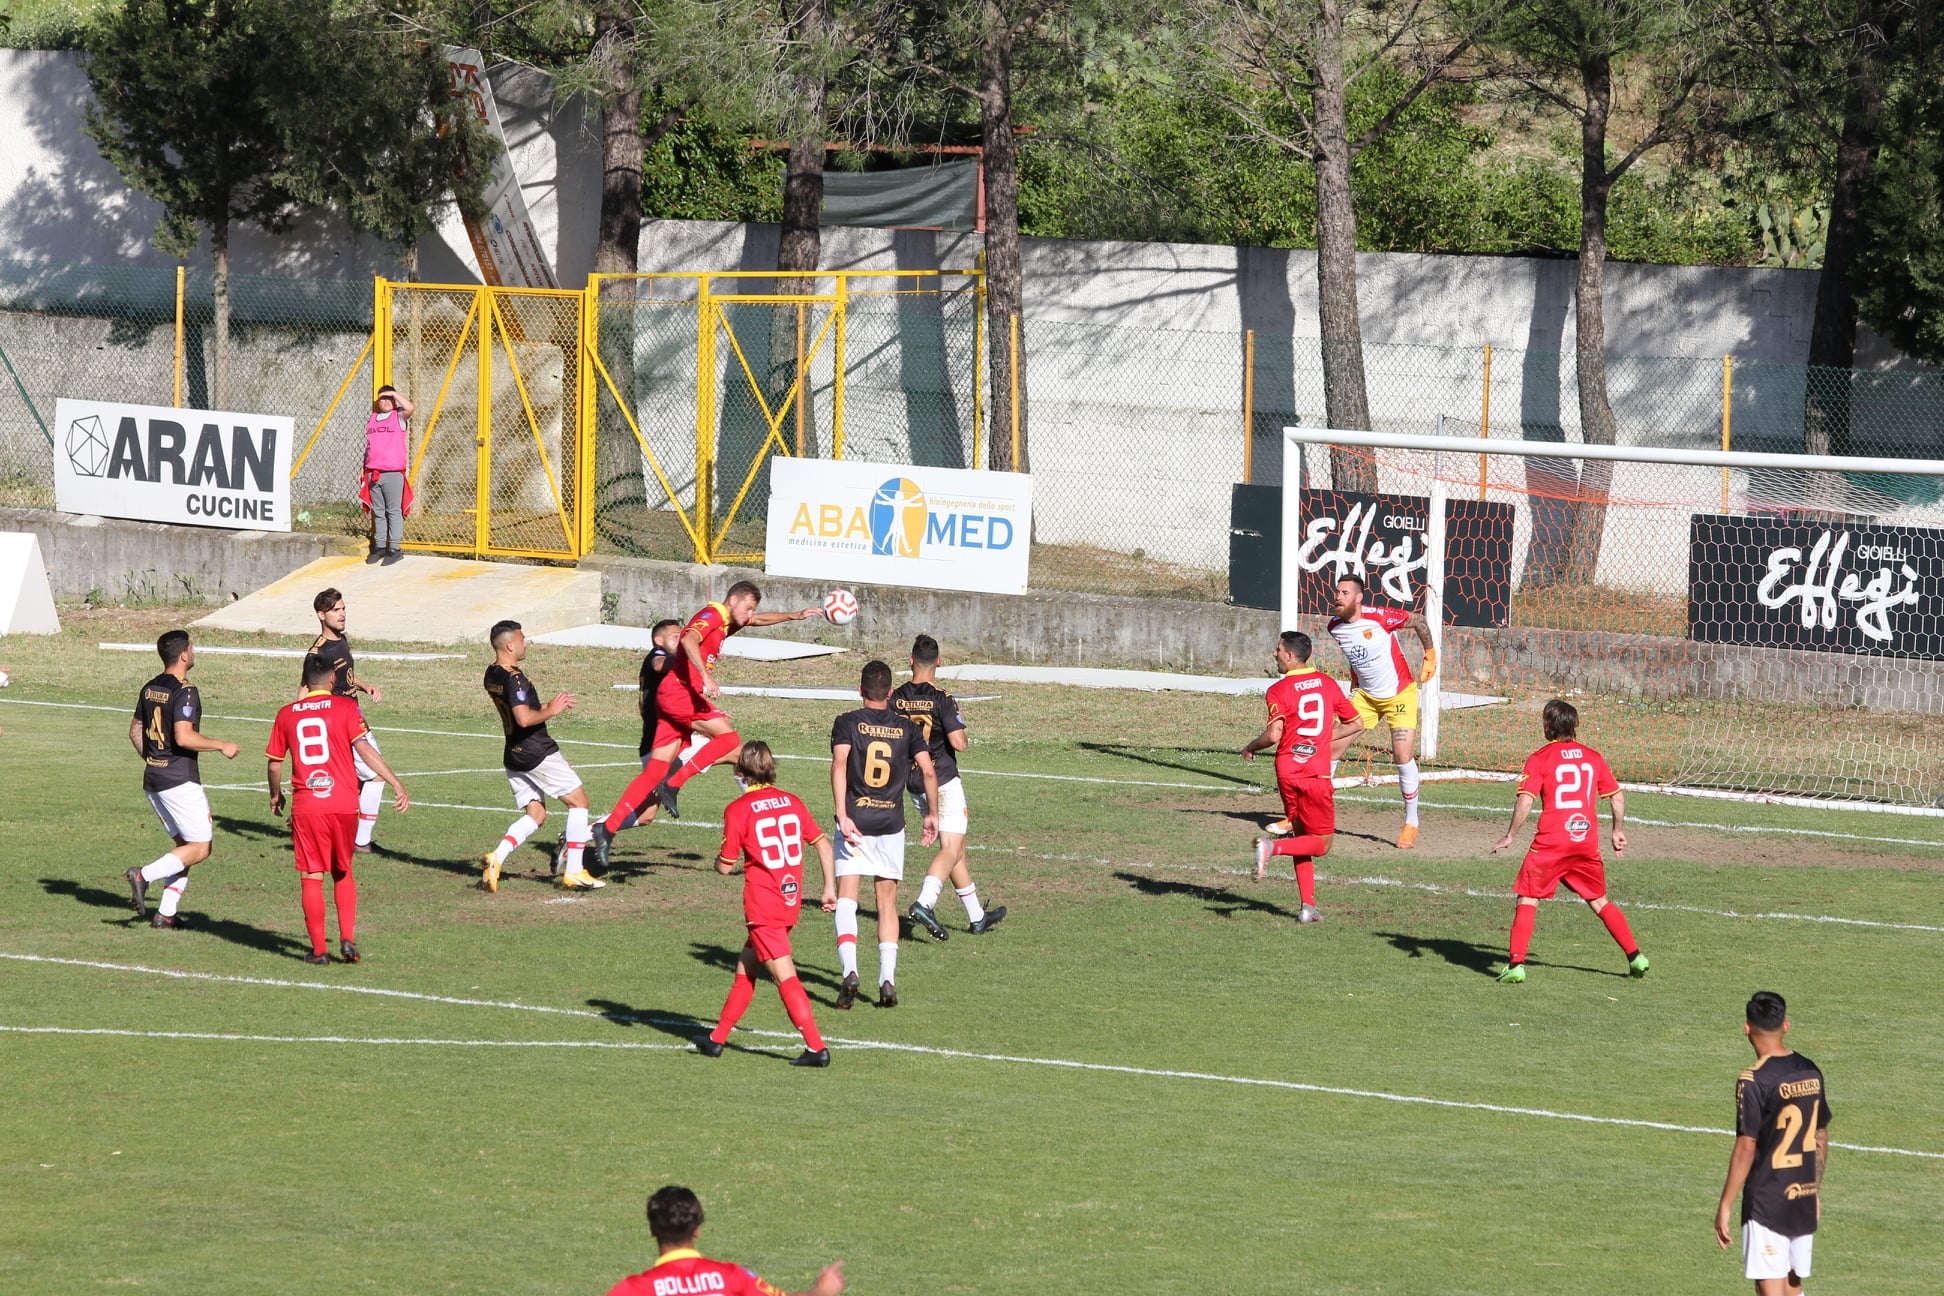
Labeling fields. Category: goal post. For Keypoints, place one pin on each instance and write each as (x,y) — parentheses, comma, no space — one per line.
(1730,623)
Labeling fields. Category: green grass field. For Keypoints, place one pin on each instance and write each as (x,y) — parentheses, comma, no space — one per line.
(1149,1079)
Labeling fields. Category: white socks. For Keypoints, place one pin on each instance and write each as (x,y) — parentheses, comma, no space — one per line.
(172,895)
(928,893)
(969,897)
(888,961)
(371,795)
(1407,783)
(166,867)
(576,836)
(847,936)
(521,829)
(1333,765)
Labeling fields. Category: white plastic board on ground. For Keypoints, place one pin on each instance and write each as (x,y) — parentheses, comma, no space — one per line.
(805,692)
(1149,681)
(203,650)
(26,602)
(641,639)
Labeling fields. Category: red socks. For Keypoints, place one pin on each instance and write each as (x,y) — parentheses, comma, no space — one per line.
(797,1003)
(1523,919)
(1303,845)
(1616,924)
(313,887)
(740,994)
(345,892)
(712,751)
(1306,880)
(636,794)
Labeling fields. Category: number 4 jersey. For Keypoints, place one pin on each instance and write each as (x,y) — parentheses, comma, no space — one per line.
(316,732)
(768,829)
(1570,779)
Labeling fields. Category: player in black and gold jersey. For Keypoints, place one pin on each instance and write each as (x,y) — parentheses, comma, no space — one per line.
(936,713)
(332,647)
(165,732)
(535,769)
(1781,1149)
(873,751)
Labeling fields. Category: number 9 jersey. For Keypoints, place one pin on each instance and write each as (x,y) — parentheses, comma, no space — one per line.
(769,829)
(317,731)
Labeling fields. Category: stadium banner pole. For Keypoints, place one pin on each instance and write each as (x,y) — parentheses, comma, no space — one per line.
(704,415)
(837,367)
(1727,415)
(586,470)
(1290,598)
(380,333)
(1248,404)
(1012,375)
(1485,421)
(1434,586)
(978,368)
(802,384)
(181,276)
(1302,436)
(483,430)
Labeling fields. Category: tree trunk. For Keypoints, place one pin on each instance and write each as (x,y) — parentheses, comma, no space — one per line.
(1005,286)
(1346,400)
(1832,339)
(219,255)
(801,247)
(621,145)
(1596,412)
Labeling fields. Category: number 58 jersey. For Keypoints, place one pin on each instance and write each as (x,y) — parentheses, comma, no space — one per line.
(1570,779)
(768,829)
(316,732)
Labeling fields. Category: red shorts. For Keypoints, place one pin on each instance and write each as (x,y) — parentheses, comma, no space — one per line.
(679,709)
(323,842)
(769,941)
(1540,876)
(1310,804)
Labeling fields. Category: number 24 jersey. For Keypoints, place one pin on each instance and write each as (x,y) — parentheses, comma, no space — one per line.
(317,732)
(768,828)
(1570,779)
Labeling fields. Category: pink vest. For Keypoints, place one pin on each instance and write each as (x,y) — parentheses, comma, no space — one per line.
(385,442)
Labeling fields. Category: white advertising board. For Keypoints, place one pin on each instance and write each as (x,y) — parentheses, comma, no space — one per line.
(159,464)
(504,240)
(892,524)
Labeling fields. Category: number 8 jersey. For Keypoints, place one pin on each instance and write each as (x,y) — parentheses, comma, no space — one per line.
(317,731)
(1570,779)
(769,829)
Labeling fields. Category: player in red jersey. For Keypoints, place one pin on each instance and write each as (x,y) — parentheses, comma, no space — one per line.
(685,702)
(325,736)
(675,1217)
(1302,705)
(765,829)
(1569,779)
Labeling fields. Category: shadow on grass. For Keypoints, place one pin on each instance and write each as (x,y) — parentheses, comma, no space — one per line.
(1218,900)
(681,1026)
(723,959)
(1133,754)
(1473,957)
(196,922)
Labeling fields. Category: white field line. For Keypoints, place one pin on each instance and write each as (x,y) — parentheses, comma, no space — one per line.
(336,1039)
(1067,1064)
(1341,783)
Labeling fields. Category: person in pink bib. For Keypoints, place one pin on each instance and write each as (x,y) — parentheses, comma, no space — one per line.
(385,490)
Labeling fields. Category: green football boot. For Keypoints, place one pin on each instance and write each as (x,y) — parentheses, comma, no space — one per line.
(1513,975)
(1637,965)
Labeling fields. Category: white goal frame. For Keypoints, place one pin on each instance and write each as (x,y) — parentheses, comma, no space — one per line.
(1296,438)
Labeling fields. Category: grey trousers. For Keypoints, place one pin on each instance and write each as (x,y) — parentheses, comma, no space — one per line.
(388,511)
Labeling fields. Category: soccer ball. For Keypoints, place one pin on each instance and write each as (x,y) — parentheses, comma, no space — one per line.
(840,605)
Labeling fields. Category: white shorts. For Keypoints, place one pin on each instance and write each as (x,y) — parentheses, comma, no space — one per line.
(365,772)
(1769,1254)
(952,814)
(873,857)
(184,812)
(552,777)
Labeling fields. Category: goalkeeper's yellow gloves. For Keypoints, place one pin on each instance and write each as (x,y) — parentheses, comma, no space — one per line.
(1430,666)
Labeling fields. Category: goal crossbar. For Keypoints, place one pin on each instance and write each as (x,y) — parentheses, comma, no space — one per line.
(1620,454)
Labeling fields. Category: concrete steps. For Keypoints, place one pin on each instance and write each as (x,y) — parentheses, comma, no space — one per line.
(421,599)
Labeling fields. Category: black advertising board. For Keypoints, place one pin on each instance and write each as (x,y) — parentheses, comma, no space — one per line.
(1381,539)
(1826,586)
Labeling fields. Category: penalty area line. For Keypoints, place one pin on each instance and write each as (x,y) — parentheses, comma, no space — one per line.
(968,1055)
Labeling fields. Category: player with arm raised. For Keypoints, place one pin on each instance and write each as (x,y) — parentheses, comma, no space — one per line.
(1569,779)
(686,704)
(936,714)
(324,735)
(1781,1151)
(1308,714)
(765,830)
(1385,689)
(675,1218)
(535,769)
(165,734)
(333,647)
(872,751)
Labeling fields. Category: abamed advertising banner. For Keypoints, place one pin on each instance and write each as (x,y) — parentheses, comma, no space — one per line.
(159,464)
(892,524)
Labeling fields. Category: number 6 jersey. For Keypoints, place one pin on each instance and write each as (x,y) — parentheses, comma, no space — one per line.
(883,748)
(317,732)
(769,829)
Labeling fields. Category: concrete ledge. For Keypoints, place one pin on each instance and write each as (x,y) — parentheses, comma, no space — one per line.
(153,562)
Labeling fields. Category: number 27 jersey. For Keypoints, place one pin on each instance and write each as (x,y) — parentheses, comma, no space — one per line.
(317,732)
(1570,779)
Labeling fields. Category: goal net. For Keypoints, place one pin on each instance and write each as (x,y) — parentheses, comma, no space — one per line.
(1768,626)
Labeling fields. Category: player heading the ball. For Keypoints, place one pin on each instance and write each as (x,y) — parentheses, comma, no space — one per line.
(1569,779)
(1385,689)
